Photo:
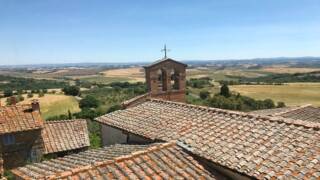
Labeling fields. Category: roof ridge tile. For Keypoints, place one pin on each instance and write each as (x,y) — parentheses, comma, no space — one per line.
(64,120)
(311,125)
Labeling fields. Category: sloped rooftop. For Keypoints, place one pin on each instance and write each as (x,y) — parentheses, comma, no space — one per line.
(260,147)
(65,135)
(73,161)
(19,118)
(305,113)
(157,161)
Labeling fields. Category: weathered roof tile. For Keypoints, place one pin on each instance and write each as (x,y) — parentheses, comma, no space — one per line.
(156,161)
(17,118)
(75,161)
(65,135)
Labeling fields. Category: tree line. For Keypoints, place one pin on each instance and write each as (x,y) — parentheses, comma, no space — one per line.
(10,83)
(277,79)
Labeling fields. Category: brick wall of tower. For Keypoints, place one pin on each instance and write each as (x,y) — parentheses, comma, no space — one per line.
(163,88)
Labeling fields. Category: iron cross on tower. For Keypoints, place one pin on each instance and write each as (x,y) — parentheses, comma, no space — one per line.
(165,50)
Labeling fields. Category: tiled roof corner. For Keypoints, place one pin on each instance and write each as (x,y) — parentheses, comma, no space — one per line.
(18,118)
(292,109)
(65,135)
(306,113)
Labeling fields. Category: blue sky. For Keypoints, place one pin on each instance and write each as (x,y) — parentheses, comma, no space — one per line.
(60,31)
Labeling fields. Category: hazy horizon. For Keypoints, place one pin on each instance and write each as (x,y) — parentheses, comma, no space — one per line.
(151,61)
(78,31)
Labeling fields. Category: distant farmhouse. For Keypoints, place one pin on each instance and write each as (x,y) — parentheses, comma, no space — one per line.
(26,137)
(158,136)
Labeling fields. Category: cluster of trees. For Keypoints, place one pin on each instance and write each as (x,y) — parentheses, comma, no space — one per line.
(71,90)
(84,84)
(10,92)
(199,82)
(89,102)
(18,95)
(240,103)
(226,100)
(17,83)
(133,88)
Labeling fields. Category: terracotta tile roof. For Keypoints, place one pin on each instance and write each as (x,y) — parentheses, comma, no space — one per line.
(65,135)
(165,161)
(19,118)
(73,161)
(305,113)
(260,147)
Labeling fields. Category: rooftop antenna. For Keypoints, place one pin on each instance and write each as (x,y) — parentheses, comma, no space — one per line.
(165,50)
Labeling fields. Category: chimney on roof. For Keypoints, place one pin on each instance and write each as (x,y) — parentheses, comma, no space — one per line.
(35,105)
(13,100)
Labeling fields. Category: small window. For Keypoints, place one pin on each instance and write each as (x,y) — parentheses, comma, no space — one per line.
(8,139)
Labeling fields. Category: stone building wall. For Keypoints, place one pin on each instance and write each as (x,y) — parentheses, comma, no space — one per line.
(26,148)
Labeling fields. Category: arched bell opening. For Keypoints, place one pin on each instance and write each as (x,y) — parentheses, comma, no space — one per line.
(161,80)
(174,79)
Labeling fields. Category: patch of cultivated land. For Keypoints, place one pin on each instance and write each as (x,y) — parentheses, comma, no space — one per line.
(291,93)
(218,74)
(134,74)
(290,70)
(53,104)
(101,79)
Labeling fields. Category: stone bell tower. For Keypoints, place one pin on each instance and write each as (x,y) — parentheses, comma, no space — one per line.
(166,79)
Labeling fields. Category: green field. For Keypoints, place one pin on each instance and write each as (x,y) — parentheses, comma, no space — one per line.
(291,93)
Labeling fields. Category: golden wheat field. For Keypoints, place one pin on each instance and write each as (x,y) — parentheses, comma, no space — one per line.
(291,93)
(290,70)
(134,74)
